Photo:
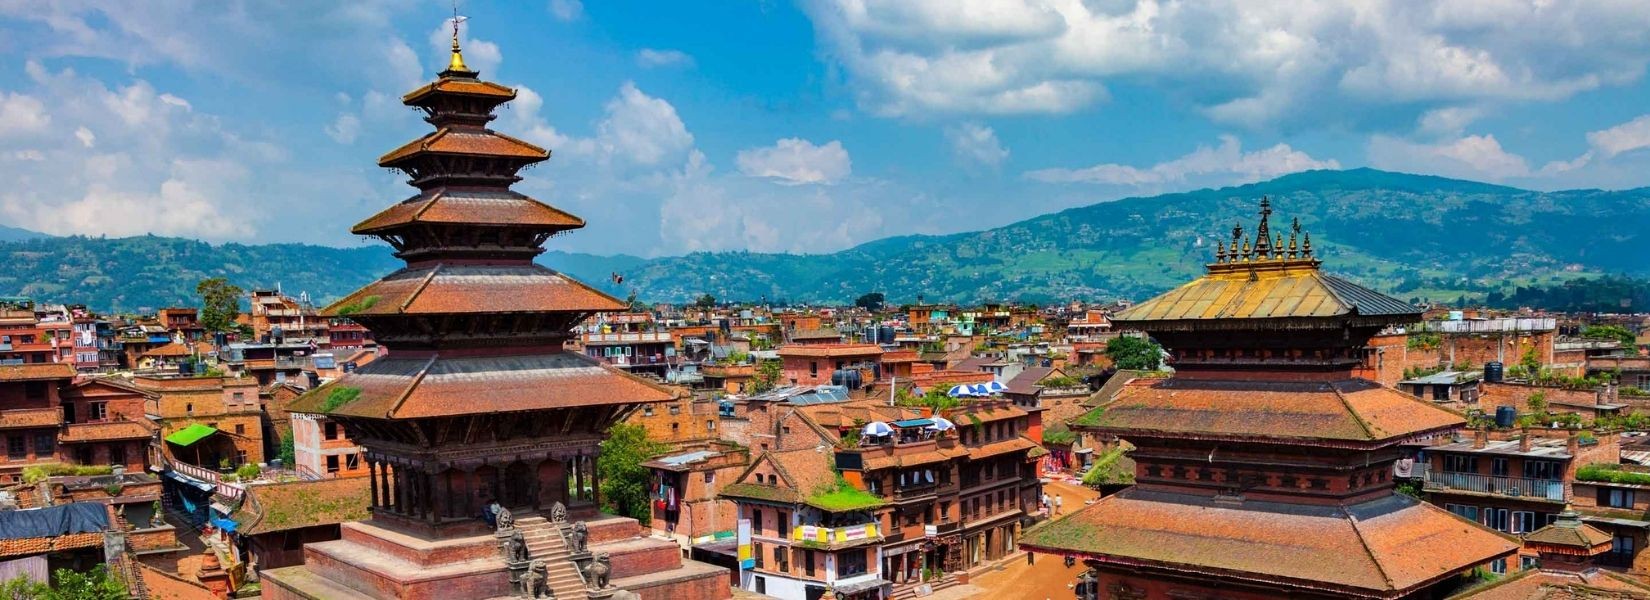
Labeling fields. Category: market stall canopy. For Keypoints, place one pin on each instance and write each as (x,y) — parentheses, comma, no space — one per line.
(191,434)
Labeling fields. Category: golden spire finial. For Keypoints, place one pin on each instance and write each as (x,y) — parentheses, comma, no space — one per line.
(456,64)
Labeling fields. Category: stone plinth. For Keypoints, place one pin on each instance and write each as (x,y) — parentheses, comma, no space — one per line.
(374,562)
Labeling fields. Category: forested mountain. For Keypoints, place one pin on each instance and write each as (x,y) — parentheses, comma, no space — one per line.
(1415,236)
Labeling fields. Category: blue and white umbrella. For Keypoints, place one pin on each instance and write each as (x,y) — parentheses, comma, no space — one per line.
(958,391)
(996,386)
(980,389)
(941,424)
(878,428)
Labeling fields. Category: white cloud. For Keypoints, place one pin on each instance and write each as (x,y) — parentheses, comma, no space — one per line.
(1448,120)
(1240,62)
(1626,137)
(22,114)
(1227,163)
(154,166)
(795,161)
(344,129)
(642,130)
(566,10)
(1479,157)
(976,143)
(649,58)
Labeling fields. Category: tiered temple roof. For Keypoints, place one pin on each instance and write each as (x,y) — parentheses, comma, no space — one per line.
(1263,464)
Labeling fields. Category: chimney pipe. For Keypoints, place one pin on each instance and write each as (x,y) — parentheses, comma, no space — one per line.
(1480,438)
(1525,441)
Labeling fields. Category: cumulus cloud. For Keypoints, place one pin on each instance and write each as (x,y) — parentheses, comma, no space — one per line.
(1240,62)
(155,165)
(566,10)
(649,58)
(1227,163)
(344,129)
(795,161)
(22,114)
(977,143)
(1626,137)
(1466,157)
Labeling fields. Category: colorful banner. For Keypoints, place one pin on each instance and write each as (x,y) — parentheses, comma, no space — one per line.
(747,557)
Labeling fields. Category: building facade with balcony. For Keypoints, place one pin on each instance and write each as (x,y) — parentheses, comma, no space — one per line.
(1515,486)
(809,534)
(816,364)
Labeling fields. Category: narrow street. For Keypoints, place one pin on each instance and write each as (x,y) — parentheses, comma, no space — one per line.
(1049,578)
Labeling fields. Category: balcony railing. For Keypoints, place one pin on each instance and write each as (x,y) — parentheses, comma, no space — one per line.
(833,535)
(1519,487)
(645,336)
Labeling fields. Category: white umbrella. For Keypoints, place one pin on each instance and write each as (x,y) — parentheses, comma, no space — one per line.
(959,391)
(878,428)
(941,424)
(995,386)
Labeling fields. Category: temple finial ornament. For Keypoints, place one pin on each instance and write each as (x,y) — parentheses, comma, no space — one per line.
(456,66)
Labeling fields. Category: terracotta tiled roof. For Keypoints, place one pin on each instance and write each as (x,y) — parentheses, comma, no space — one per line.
(36,371)
(41,545)
(100,432)
(465,141)
(173,349)
(1017,444)
(1265,293)
(1350,411)
(467,87)
(275,507)
(876,463)
(473,289)
(470,206)
(19,418)
(830,350)
(807,469)
(816,334)
(1538,584)
(968,415)
(1374,549)
(404,387)
(1026,382)
(1573,534)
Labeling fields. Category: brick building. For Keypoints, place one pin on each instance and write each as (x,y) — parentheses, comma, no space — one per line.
(322,448)
(685,484)
(222,413)
(808,365)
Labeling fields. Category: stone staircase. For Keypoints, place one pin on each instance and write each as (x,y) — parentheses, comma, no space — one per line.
(544,542)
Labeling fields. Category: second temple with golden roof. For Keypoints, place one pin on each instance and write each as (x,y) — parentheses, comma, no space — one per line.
(1263,466)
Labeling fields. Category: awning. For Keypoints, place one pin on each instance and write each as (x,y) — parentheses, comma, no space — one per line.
(855,585)
(191,434)
(914,423)
(228,525)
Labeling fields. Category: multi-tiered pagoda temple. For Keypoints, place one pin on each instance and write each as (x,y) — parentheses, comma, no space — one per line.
(1263,466)
(477,401)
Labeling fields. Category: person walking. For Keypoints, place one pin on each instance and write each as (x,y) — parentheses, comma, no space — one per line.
(1058,502)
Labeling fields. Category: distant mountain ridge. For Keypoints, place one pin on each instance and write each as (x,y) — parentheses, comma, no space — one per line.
(1412,235)
(15,234)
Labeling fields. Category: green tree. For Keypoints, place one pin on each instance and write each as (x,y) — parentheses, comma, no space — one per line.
(289,449)
(1135,353)
(705,301)
(767,376)
(1538,403)
(67,584)
(872,301)
(1609,332)
(624,480)
(220,304)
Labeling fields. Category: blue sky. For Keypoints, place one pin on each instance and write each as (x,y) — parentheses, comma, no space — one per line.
(803,127)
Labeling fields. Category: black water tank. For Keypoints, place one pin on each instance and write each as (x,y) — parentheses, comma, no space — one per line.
(1492,371)
(848,378)
(1505,416)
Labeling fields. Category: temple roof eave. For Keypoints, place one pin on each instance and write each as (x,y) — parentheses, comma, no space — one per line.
(442,206)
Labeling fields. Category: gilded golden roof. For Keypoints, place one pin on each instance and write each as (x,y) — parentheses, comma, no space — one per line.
(1265,279)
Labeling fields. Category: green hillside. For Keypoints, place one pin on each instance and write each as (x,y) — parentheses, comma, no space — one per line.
(1416,236)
